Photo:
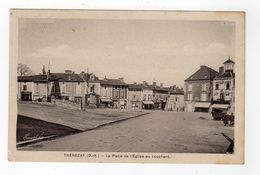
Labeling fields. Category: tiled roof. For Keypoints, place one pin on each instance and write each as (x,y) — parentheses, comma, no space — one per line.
(228,74)
(204,73)
(65,77)
(32,78)
(135,86)
(111,82)
(159,88)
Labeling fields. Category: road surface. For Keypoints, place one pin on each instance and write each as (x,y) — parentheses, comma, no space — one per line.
(158,131)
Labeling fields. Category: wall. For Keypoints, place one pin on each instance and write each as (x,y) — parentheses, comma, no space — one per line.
(175,102)
(30,88)
(137,100)
(148,94)
(222,89)
(197,90)
(106,91)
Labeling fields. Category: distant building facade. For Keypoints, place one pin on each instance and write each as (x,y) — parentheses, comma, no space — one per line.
(114,91)
(135,96)
(175,101)
(68,86)
(31,88)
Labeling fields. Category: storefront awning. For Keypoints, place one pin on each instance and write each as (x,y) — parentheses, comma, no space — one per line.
(148,102)
(220,106)
(104,99)
(202,105)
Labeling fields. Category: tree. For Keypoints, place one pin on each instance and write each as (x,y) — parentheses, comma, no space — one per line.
(23,69)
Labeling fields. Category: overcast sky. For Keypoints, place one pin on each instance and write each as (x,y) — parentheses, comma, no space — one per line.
(138,50)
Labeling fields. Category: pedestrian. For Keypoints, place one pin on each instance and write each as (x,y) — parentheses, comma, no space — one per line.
(227,117)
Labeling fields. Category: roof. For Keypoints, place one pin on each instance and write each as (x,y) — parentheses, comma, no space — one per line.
(177,91)
(32,78)
(229,61)
(135,87)
(65,77)
(204,73)
(225,75)
(160,88)
(116,82)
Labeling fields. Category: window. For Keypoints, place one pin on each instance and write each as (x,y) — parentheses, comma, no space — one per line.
(203,97)
(25,87)
(116,93)
(190,96)
(134,96)
(203,87)
(122,93)
(78,89)
(37,88)
(149,97)
(228,86)
(69,87)
(190,87)
(144,97)
(92,89)
(217,86)
(63,89)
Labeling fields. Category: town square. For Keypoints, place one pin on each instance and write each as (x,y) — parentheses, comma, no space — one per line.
(105,85)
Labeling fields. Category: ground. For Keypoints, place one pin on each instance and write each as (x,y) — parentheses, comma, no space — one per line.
(157,131)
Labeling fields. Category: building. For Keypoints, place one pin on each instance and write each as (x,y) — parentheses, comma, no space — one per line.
(92,89)
(67,86)
(198,92)
(134,96)
(113,92)
(30,88)
(160,95)
(224,85)
(175,101)
(147,96)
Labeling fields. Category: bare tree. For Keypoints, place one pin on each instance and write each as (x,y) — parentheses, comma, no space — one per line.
(23,69)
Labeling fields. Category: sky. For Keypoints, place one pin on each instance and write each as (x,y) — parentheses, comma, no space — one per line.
(166,52)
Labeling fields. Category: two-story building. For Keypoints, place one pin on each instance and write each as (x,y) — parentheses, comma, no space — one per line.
(32,87)
(134,96)
(115,91)
(68,86)
(147,96)
(160,95)
(198,93)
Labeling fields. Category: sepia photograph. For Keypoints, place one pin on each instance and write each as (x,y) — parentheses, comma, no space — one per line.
(126,86)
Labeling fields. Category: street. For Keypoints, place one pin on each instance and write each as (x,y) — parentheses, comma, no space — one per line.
(158,131)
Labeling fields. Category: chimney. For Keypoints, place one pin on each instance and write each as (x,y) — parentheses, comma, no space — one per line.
(154,83)
(68,71)
(221,70)
(202,66)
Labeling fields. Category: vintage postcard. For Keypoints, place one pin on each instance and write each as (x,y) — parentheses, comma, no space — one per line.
(127,86)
